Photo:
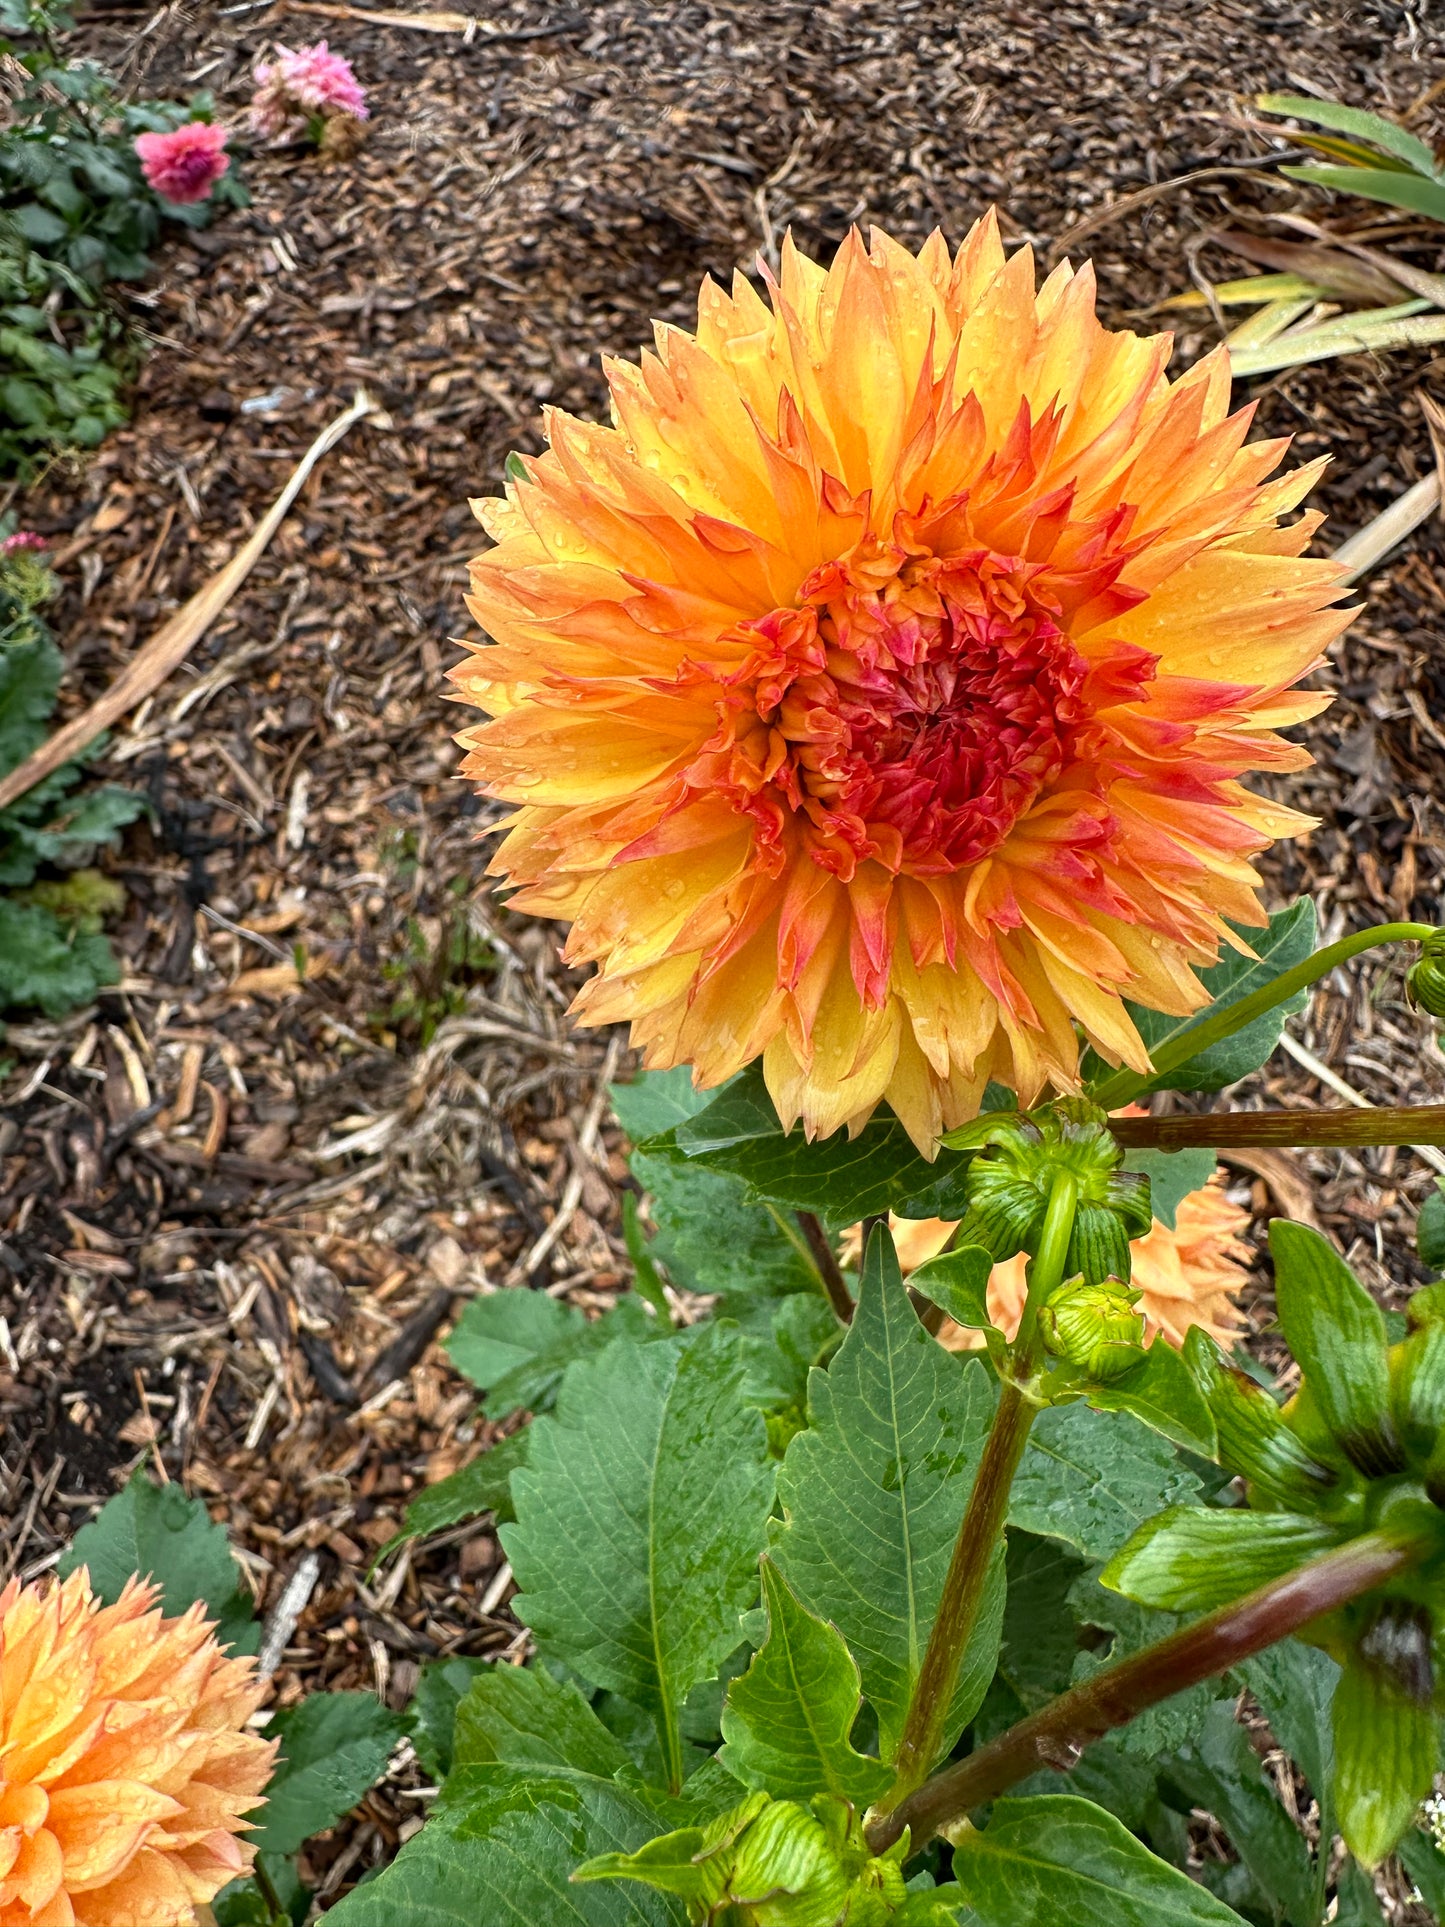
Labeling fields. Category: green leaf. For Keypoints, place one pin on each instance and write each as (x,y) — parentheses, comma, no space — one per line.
(483,1485)
(1172,1176)
(30,675)
(334,1748)
(1161,1394)
(786,1721)
(515,1345)
(1192,1559)
(1056,1859)
(37,223)
(42,963)
(1410,191)
(1288,940)
(1425,1864)
(1430,1229)
(1337,1334)
(157,1532)
(500,1851)
(842,1180)
(1356,122)
(431,1717)
(240,1903)
(521,1716)
(1091,1478)
(1356,1902)
(640,1517)
(872,1494)
(714,1239)
(1161,1728)
(1220,1772)
(1040,1637)
(1386,1752)
(1295,1686)
(957,1282)
(657,1100)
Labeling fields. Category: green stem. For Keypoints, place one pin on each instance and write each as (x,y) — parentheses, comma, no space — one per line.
(1299,1130)
(983,1521)
(1057,1734)
(1125,1085)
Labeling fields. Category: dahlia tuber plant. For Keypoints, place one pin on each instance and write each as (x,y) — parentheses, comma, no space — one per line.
(873,696)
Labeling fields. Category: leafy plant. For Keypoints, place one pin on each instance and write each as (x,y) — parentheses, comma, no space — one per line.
(822,1610)
(433,973)
(53,953)
(1365,154)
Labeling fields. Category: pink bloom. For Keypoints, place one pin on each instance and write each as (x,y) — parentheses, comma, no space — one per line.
(23,539)
(185,165)
(302,82)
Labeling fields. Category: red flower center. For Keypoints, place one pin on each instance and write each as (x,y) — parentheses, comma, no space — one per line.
(909,711)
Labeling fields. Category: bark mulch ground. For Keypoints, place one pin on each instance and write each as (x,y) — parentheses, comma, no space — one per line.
(335,1092)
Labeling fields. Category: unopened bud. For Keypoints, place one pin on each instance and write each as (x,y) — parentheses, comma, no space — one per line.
(1425,980)
(1094,1327)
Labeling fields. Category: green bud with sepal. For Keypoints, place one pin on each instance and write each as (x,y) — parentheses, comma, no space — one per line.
(1256,1441)
(1009,1183)
(1425,980)
(1094,1327)
(770,1863)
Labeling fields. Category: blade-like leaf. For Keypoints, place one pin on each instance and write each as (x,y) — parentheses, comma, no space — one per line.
(1190,1559)
(1056,1859)
(1430,1229)
(1365,333)
(1091,1478)
(874,1490)
(640,1517)
(500,1851)
(334,1747)
(431,1715)
(1386,1751)
(1337,1334)
(786,1721)
(1357,122)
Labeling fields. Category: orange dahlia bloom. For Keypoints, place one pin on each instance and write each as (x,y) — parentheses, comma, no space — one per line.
(1188,1276)
(124,1770)
(875,688)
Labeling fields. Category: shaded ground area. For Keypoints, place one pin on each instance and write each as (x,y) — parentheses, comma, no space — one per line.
(238,1205)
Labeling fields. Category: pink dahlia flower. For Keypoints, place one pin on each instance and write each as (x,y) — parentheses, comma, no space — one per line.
(23,539)
(185,165)
(302,82)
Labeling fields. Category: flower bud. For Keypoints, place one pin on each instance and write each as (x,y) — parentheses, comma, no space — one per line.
(1094,1327)
(1425,980)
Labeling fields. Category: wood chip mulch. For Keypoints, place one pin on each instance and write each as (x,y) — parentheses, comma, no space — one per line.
(335,1093)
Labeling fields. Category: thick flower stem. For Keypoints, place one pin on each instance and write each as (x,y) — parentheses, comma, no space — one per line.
(1057,1734)
(1125,1085)
(983,1521)
(1382,1124)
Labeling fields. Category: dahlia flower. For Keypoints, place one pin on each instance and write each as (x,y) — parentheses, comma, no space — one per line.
(301,83)
(124,1770)
(23,540)
(1188,1276)
(184,165)
(874,690)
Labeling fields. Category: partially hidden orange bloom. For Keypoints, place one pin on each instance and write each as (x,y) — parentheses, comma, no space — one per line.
(125,1775)
(1188,1276)
(874,690)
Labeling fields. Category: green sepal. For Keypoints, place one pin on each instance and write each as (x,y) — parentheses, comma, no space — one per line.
(1192,1559)
(1099,1244)
(1337,1333)
(1160,1391)
(1417,1391)
(1386,1752)
(1255,1440)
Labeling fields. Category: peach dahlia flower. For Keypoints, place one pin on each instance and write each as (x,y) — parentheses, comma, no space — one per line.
(1188,1275)
(874,689)
(125,1774)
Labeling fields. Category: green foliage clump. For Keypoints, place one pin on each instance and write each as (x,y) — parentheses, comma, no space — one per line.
(54,954)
